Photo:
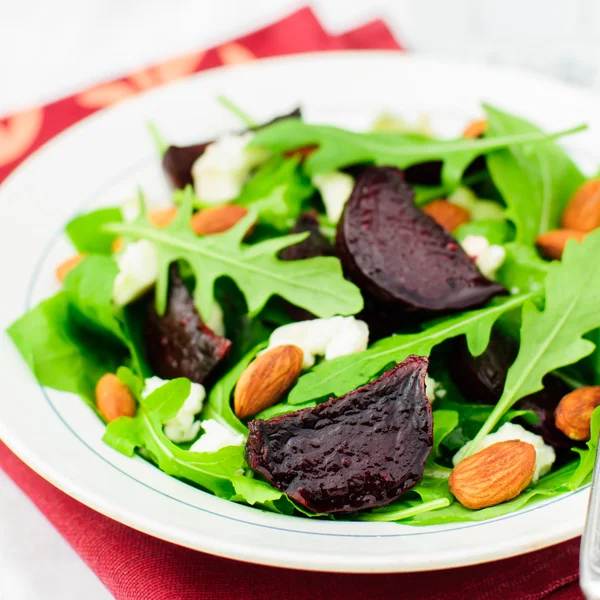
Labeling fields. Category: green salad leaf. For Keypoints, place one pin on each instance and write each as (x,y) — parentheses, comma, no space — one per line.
(340,148)
(587,457)
(87,233)
(346,373)
(553,337)
(61,354)
(277,192)
(316,284)
(535,180)
(218,404)
(220,472)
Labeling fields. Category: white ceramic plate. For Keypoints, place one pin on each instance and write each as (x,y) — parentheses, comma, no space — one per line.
(103,159)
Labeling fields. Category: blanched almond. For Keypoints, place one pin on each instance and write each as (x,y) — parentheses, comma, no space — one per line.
(113,398)
(446,214)
(552,244)
(493,475)
(267,379)
(574,412)
(161,217)
(583,210)
(218,219)
(63,269)
(475,129)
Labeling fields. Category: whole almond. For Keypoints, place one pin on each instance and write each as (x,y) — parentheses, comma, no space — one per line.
(63,269)
(574,412)
(552,244)
(493,475)
(583,210)
(161,217)
(446,214)
(267,379)
(475,129)
(217,220)
(113,398)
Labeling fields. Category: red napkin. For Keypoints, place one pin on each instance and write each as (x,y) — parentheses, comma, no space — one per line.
(134,566)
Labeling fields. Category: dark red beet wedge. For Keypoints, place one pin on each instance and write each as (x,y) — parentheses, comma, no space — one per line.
(481,379)
(358,451)
(401,257)
(177,161)
(179,344)
(316,244)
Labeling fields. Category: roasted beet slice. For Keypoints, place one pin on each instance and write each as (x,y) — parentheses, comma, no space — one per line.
(179,344)
(316,244)
(178,160)
(481,380)
(358,451)
(400,256)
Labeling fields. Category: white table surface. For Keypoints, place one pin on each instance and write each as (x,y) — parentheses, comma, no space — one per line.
(50,49)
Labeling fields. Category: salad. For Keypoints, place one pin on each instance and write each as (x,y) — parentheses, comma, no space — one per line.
(374,326)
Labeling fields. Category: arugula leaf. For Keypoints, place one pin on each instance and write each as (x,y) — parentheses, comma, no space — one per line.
(277,191)
(536,181)
(340,148)
(212,471)
(257,492)
(495,231)
(233,108)
(87,234)
(89,289)
(587,457)
(523,270)
(444,423)
(346,373)
(61,355)
(218,404)
(159,141)
(316,284)
(552,338)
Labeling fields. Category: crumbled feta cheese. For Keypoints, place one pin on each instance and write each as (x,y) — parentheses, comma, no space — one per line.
(220,173)
(130,209)
(335,189)
(433,389)
(138,270)
(183,427)
(333,337)
(488,257)
(215,437)
(544,454)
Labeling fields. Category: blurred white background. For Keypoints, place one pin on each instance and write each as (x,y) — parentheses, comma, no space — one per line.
(49,49)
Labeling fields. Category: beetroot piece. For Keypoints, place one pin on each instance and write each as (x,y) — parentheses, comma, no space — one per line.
(358,451)
(481,379)
(178,160)
(316,244)
(178,344)
(400,256)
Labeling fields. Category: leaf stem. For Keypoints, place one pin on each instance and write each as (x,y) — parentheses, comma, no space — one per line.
(243,116)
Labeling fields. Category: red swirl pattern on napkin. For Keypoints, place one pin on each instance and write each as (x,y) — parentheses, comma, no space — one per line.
(135,566)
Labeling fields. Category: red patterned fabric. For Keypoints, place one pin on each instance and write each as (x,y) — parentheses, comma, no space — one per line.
(134,566)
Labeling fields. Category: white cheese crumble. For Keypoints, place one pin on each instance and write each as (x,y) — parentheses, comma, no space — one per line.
(215,437)
(130,209)
(488,257)
(333,337)
(220,173)
(433,389)
(335,189)
(183,427)
(544,454)
(138,270)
